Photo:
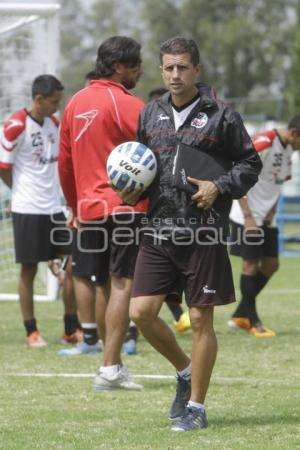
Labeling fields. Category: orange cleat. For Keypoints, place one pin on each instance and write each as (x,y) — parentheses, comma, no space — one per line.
(239,323)
(260,331)
(35,340)
(183,324)
(73,338)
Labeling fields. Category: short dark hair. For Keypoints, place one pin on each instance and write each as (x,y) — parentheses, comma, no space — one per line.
(45,85)
(295,123)
(91,75)
(157,92)
(117,49)
(178,45)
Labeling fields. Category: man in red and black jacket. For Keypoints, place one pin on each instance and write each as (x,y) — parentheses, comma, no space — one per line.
(98,118)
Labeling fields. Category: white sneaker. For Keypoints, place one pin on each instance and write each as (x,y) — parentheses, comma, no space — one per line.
(81,349)
(120,380)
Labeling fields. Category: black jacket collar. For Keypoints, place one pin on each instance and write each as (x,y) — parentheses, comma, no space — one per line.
(207,97)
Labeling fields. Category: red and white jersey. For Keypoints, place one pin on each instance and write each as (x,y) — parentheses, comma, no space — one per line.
(96,119)
(277,165)
(30,149)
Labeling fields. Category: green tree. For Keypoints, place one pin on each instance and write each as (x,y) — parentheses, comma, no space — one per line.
(245,45)
(108,18)
(111,17)
(160,20)
(75,47)
(242,43)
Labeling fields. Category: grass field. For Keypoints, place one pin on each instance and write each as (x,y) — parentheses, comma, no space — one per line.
(253,401)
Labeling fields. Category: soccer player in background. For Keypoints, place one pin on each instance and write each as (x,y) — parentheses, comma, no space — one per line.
(98,118)
(28,165)
(255,215)
(189,114)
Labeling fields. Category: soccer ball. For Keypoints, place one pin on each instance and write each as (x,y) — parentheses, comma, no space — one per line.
(131,165)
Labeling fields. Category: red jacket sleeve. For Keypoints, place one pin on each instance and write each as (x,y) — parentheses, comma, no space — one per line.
(65,165)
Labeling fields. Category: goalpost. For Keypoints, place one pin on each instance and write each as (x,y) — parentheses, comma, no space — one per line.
(29,46)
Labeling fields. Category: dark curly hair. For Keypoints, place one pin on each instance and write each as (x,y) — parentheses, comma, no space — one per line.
(117,49)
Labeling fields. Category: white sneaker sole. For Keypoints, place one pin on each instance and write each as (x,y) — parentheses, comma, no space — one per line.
(233,326)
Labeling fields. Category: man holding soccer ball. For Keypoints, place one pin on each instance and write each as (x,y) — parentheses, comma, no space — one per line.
(187,241)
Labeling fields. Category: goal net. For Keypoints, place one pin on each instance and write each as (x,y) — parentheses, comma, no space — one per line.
(29,46)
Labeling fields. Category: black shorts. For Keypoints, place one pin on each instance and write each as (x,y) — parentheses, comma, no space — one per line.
(107,248)
(253,248)
(40,237)
(203,271)
(88,265)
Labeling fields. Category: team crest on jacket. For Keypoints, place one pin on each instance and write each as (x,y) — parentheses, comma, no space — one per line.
(200,121)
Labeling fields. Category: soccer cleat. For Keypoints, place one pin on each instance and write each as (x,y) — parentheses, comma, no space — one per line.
(35,340)
(120,380)
(192,419)
(129,347)
(183,323)
(73,338)
(81,349)
(239,323)
(259,331)
(183,393)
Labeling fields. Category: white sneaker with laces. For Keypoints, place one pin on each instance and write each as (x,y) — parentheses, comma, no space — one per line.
(119,380)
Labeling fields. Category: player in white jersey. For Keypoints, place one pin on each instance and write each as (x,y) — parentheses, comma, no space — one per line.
(254,234)
(28,165)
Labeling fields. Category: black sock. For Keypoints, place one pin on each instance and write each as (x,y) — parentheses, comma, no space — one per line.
(90,334)
(175,309)
(30,326)
(261,280)
(250,286)
(247,307)
(132,333)
(71,323)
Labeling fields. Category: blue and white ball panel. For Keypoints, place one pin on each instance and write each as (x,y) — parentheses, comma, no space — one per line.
(131,165)
(121,181)
(112,172)
(125,148)
(137,153)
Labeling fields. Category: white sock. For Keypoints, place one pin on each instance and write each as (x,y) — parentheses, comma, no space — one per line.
(186,373)
(196,405)
(89,325)
(110,370)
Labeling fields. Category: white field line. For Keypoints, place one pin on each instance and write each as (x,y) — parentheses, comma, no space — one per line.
(286,382)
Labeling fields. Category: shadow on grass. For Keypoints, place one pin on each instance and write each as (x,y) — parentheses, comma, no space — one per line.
(292,332)
(255,420)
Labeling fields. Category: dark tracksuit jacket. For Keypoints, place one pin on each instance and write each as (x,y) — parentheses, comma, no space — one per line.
(212,127)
